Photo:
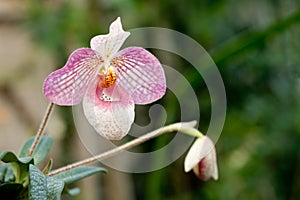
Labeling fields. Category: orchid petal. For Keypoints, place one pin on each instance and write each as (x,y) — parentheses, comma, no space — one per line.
(111,119)
(68,85)
(109,44)
(141,74)
(203,148)
(207,167)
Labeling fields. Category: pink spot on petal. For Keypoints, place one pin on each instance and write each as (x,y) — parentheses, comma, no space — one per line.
(111,118)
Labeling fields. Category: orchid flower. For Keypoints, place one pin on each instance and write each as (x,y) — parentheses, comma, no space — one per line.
(202,159)
(108,81)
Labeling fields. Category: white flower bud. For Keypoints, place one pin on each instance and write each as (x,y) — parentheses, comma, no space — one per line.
(202,159)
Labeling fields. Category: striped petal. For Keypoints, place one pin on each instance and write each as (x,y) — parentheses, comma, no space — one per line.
(108,45)
(141,74)
(110,111)
(68,85)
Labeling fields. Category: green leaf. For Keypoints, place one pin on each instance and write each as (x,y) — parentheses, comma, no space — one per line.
(20,166)
(48,167)
(6,173)
(8,157)
(41,150)
(78,173)
(42,187)
(10,190)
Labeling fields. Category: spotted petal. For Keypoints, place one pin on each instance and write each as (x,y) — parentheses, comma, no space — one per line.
(68,85)
(108,45)
(141,74)
(110,114)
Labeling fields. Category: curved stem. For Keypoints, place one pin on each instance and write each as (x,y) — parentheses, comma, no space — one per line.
(192,132)
(182,126)
(41,129)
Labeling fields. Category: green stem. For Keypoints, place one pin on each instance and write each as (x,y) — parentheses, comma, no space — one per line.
(181,126)
(192,132)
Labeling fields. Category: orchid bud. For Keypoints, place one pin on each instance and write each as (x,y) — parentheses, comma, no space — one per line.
(202,159)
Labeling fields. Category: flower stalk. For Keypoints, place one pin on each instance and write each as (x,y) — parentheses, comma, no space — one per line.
(181,126)
(192,132)
(41,129)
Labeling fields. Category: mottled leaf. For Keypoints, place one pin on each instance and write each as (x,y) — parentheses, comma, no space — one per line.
(78,173)
(41,150)
(20,166)
(42,187)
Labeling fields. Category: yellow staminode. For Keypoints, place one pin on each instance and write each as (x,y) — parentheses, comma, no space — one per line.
(109,79)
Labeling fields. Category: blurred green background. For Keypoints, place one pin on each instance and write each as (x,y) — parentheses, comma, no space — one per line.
(255,45)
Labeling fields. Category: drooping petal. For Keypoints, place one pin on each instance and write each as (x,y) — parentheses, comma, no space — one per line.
(207,167)
(202,159)
(108,45)
(112,113)
(141,74)
(68,85)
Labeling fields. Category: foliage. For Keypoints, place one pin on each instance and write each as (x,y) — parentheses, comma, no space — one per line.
(21,178)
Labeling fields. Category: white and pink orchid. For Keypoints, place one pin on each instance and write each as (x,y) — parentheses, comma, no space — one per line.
(202,159)
(108,81)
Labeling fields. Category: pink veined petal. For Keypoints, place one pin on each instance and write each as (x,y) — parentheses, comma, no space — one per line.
(108,45)
(112,114)
(68,85)
(141,74)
